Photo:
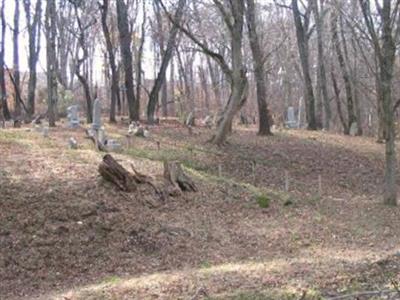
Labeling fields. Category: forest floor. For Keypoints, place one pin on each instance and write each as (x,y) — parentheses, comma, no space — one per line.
(67,234)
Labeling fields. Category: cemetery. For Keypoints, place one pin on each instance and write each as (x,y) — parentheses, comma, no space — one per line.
(199,150)
(125,228)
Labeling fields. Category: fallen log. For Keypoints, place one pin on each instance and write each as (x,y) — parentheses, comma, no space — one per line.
(112,171)
(173,182)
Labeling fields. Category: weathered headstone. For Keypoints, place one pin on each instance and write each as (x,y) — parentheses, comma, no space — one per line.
(45,131)
(73,117)
(101,135)
(291,118)
(353,129)
(96,115)
(113,145)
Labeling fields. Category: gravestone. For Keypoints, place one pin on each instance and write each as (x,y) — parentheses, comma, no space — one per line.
(73,117)
(45,131)
(72,143)
(101,135)
(113,145)
(96,115)
(291,118)
(353,129)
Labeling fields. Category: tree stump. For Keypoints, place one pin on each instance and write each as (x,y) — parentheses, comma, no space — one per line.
(112,171)
(174,174)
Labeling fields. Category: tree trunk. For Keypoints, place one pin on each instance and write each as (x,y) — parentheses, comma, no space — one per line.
(238,77)
(51,33)
(204,86)
(111,60)
(153,98)
(387,59)
(34,28)
(351,117)
(259,71)
(215,83)
(3,91)
(140,56)
(302,44)
(16,73)
(319,24)
(126,54)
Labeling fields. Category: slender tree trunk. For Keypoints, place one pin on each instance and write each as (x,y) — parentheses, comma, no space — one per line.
(139,68)
(111,60)
(16,73)
(172,88)
(204,86)
(153,98)
(351,117)
(319,22)
(302,44)
(264,127)
(387,59)
(51,61)
(126,53)
(34,28)
(3,91)
(339,103)
(215,83)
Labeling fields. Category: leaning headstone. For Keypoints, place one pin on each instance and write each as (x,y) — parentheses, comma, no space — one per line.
(291,118)
(96,115)
(353,129)
(73,117)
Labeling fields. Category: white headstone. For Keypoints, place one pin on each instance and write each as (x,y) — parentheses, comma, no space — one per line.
(291,118)
(96,115)
(113,145)
(101,135)
(73,117)
(353,129)
(45,131)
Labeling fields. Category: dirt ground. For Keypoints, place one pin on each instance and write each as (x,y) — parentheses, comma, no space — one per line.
(67,234)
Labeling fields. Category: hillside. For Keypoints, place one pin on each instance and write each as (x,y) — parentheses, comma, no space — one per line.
(67,234)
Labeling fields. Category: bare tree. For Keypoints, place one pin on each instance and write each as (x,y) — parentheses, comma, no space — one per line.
(126,53)
(51,55)
(351,116)
(264,126)
(303,33)
(319,13)
(3,91)
(16,73)
(385,49)
(104,8)
(34,30)
(153,98)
